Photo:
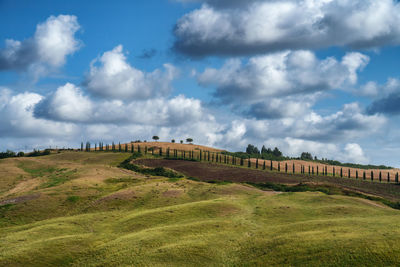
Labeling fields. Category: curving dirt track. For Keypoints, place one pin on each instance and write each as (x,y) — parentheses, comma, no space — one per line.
(206,171)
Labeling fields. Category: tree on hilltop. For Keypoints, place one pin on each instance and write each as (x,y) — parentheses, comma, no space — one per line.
(155,138)
(189,140)
(306,156)
(277,152)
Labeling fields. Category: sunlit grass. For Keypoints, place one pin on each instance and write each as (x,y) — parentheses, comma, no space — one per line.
(105,216)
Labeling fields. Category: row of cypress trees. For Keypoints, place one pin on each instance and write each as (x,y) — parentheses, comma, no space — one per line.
(226,159)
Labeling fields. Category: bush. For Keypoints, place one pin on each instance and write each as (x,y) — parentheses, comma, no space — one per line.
(73,199)
(38,153)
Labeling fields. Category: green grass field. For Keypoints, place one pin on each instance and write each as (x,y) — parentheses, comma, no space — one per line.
(80,209)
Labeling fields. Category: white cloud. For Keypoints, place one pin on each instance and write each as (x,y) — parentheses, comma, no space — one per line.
(251,27)
(354,153)
(263,79)
(115,78)
(346,125)
(374,90)
(69,104)
(17,118)
(52,42)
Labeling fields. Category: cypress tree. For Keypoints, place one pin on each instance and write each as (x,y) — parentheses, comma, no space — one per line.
(380,176)
(341,172)
(248,163)
(81,146)
(132,148)
(349,174)
(271,165)
(160,152)
(372,175)
(286,167)
(233,160)
(139,149)
(364,176)
(388,177)
(200,155)
(145,150)
(317,170)
(113,146)
(119,147)
(208,156)
(126,147)
(312,170)
(279,166)
(356,174)
(309,170)
(241,162)
(294,168)
(257,163)
(168,152)
(264,165)
(396,179)
(333,171)
(184,154)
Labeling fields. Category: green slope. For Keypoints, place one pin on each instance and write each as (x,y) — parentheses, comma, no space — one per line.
(100,215)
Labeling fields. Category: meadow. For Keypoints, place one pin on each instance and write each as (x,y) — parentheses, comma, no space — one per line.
(81,209)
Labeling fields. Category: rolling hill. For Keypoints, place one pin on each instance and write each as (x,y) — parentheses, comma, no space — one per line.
(81,209)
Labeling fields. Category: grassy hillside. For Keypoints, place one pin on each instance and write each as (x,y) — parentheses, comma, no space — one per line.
(79,209)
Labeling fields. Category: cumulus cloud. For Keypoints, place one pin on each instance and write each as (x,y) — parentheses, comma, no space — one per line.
(17,119)
(111,76)
(386,97)
(253,27)
(69,104)
(354,153)
(52,42)
(346,125)
(239,133)
(278,108)
(263,81)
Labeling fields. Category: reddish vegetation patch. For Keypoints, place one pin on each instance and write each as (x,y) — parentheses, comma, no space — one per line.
(219,172)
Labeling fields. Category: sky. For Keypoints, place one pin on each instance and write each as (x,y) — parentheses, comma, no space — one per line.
(318,76)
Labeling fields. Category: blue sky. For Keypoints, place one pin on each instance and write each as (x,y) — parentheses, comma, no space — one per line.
(316,75)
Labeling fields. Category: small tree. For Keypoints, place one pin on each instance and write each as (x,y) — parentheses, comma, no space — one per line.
(306,156)
(189,140)
(173,141)
(277,152)
(181,141)
(156,138)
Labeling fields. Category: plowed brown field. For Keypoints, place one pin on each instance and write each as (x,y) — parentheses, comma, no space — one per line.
(206,171)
